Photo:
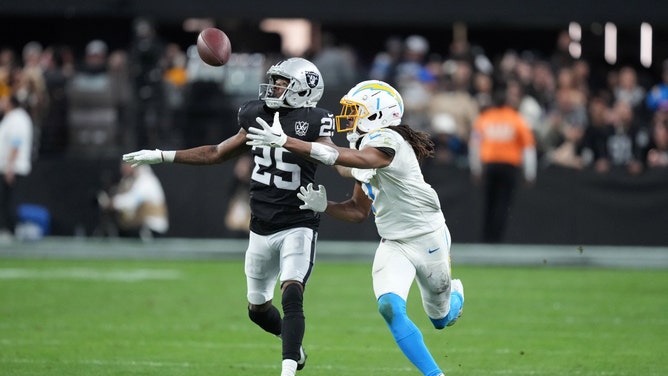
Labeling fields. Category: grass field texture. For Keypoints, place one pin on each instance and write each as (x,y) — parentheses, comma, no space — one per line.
(69,317)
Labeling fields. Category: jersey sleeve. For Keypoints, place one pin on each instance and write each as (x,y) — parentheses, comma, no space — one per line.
(247,114)
(381,138)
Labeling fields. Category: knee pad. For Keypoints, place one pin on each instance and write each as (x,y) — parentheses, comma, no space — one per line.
(256,298)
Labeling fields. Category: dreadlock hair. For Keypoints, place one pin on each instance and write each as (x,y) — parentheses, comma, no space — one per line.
(421,142)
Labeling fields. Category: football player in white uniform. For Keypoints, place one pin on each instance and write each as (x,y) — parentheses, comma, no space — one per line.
(282,237)
(384,157)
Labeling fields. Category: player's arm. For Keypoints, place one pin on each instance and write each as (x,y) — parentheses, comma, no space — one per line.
(356,209)
(328,154)
(200,155)
(367,158)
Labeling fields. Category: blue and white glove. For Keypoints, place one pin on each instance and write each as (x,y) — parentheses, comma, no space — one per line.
(267,136)
(148,157)
(313,200)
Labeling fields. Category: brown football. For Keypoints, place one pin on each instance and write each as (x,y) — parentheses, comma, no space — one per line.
(214,46)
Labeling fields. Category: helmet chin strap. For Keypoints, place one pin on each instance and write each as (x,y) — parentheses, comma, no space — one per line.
(353,137)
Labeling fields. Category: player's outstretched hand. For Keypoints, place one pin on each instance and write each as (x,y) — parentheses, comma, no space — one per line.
(313,200)
(267,136)
(144,157)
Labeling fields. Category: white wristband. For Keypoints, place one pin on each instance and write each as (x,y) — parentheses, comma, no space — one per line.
(168,155)
(324,153)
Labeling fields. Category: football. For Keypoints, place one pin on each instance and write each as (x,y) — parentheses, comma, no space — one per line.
(214,47)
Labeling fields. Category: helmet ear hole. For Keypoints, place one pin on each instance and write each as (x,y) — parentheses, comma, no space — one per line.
(304,84)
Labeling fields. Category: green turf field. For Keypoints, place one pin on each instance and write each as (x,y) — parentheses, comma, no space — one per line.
(69,317)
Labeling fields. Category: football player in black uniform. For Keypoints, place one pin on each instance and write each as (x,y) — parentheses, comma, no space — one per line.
(282,236)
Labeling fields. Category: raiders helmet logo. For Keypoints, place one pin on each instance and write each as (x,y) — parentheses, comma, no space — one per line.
(301,127)
(312,79)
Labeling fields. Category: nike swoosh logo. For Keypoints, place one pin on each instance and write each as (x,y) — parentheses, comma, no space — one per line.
(434,250)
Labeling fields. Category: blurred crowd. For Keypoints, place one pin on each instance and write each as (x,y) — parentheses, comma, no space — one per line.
(579,120)
(107,102)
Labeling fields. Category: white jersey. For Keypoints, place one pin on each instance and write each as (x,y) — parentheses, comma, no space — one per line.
(404,205)
(16,133)
(145,189)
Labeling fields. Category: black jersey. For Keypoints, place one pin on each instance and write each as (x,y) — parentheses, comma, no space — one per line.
(277,173)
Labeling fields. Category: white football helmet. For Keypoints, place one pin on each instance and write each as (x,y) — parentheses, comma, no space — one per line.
(370,105)
(305,87)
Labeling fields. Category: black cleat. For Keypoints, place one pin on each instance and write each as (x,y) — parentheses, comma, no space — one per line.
(302,359)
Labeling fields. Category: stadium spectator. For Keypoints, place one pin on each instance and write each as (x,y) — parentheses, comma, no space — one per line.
(118,66)
(595,149)
(563,131)
(16,142)
(568,110)
(543,84)
(147,68)
(561,56)
(282,237)
(627,140)
(135,207)
(657,156)
(453,97)
(628,89)
(7,66)
(384,64)
(336,61)
(415,81)
(483,90)
(384,159)
(93,112)
(29,86)
(238,215)
(582,79)
(451,110)
(657,97)
(500,144)
(174,79)
(53,134)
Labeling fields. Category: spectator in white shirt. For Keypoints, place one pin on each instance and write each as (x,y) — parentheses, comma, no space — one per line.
(137,204)
(16,132)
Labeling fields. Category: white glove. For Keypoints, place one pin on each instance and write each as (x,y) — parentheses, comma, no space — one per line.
(352,137)
(267,136)
(314,200)
(144,157)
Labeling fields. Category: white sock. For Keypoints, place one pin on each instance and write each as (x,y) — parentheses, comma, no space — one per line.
(289,367)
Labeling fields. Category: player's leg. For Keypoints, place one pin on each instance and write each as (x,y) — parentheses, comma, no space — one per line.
(297,257)
(442,297)
(393,274)
(262,268)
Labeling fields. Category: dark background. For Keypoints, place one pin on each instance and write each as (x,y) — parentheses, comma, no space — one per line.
(566,207)
(496,25)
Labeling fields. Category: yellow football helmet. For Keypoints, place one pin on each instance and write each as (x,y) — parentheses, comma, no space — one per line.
(370,105)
